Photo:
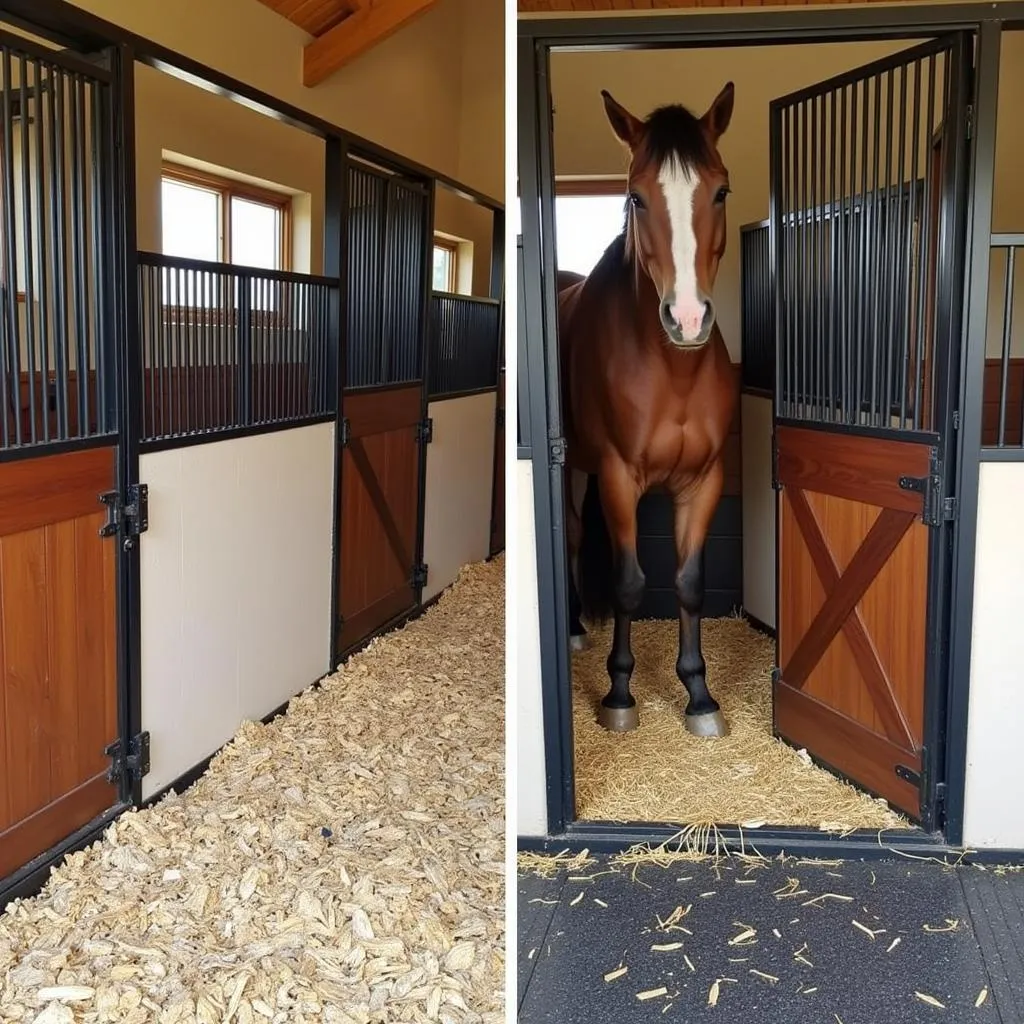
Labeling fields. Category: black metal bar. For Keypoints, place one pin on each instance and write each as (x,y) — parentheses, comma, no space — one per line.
(875,246)
(842,266)
(155,259)
(890,213)
(12,341)
(1004,379)
(901,294)
(860,329)
(26,201)
(79,248)
(101,218)
(924,253)
(60,250)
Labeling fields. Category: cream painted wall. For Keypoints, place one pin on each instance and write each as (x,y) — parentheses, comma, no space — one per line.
(758,508)
(531,778)
(432,92)
(460,473)
(236,587)
(994,804)
(642,80)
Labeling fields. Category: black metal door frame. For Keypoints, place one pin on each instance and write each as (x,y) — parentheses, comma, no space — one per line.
(806,409)
(537,39)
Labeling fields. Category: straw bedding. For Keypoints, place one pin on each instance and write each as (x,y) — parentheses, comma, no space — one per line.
(660,772)
(344,863)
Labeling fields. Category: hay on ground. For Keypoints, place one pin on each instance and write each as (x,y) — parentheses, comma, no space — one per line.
(344,863)
(661,773)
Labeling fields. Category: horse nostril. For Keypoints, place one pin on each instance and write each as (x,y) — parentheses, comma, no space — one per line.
(667,316)
(709,316)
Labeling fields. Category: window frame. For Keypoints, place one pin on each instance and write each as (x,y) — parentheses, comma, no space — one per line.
(226,190)
(452,248)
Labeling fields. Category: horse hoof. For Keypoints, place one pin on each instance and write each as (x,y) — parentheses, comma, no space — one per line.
(618,719)
(580,643)
(710,724)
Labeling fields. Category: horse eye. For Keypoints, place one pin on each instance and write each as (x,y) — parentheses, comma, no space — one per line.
(721,194)
(636,201)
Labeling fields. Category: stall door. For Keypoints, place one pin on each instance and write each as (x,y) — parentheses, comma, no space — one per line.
(381,444)
(868,235)
(58,453)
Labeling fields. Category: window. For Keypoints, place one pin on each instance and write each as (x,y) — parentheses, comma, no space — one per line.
(588,216)
(446,256)
(223,221)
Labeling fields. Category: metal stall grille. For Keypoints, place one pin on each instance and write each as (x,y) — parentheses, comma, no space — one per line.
(1002,424)
(858,189)
(464,344)
(387,225)
(228,347)
(757,309)
(56,362)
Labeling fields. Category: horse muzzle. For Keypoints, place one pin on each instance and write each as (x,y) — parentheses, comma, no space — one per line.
(687,329)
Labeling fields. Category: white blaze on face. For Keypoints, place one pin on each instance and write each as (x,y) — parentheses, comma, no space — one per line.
(678,186)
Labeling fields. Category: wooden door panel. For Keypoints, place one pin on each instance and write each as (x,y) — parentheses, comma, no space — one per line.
(380,495)
(853,557)
(58,659)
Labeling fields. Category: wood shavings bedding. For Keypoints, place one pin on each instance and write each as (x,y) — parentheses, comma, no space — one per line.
(344,863)
(662,773)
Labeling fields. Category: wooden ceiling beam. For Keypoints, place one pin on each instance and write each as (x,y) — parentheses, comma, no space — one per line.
(358,33)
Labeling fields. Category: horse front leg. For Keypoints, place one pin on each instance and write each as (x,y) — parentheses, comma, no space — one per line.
(579,640)
(619,495)
(693,514)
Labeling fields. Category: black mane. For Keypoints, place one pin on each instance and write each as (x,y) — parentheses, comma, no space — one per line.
(673,131)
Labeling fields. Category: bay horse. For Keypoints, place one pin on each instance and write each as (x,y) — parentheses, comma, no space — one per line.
(649,392)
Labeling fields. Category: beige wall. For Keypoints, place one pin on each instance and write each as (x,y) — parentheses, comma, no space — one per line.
(432,92)
(642,80)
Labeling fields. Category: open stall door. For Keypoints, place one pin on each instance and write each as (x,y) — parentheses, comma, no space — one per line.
(868,187)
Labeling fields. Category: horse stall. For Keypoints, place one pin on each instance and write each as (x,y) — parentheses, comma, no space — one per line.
(218,477)
(866,297)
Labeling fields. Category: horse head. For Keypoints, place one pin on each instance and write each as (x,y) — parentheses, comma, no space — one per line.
(676,208)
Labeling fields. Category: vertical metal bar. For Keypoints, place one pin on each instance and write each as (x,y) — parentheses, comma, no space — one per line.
(1004,379)
(26,205)
(832,376)
(156,344)
(924,251)
(78,248)
(890,222)
(874,255)
(10,234)
(842,285)
(813,340)
(906,226)
(101,220)
(860,334)
(60,259)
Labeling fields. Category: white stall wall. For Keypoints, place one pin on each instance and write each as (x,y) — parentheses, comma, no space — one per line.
(236,587)
(531,785)
(460,473)
(994,804)
(758,509)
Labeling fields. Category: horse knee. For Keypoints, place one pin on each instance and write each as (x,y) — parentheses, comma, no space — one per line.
(689,585)
(629,585)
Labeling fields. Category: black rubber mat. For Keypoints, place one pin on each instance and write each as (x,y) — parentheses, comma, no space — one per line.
(538,898)
(814,942)
(996,901)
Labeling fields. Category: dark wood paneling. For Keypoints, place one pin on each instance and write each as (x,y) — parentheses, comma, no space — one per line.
(847,746)
(378,510)
(37,834)
(852,686)
(53,489)
(58,658)
(845,466)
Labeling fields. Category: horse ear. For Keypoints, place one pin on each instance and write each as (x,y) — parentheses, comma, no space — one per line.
(719,114)
(624,124)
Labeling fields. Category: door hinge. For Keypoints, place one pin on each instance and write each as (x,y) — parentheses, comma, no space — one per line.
(970,120)
(346,431)
(935,509)
(132,766)
(132,515)
(940,796)
(908,774)
(419,576)
(425,431)
(556,449)
(956,419)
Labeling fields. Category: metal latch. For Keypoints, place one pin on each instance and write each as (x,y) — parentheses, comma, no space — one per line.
(346,431)
(133,765)
(419,576)
(425,431)
(132,515)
